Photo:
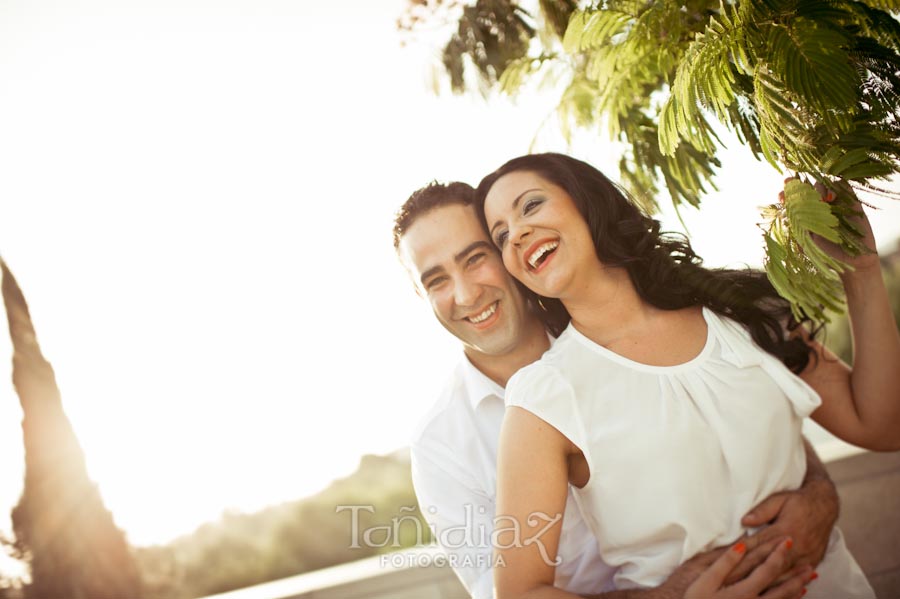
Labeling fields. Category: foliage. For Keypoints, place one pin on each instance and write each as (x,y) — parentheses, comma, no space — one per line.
(811,86)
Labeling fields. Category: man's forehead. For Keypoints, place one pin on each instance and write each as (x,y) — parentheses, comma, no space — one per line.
(440,234)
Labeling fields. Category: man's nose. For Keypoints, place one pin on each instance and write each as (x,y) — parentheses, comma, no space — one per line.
(466,293)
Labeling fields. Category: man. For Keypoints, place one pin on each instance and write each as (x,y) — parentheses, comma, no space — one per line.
(444,246)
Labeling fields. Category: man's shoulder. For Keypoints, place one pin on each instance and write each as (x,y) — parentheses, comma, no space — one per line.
(451,400)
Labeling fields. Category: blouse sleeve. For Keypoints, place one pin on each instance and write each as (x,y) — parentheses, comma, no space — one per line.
(544,391)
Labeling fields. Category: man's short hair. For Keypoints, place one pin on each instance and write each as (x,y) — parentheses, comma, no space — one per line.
(434,195)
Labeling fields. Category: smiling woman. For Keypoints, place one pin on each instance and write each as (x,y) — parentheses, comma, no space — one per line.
(670,364)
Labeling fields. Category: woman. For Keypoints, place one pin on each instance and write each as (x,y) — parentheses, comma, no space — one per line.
(669,404)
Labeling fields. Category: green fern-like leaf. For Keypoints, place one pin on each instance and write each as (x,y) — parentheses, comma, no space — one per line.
(593,28)
(797,267)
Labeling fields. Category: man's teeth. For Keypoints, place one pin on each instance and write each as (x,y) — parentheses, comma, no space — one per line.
(539,253)
(484,315)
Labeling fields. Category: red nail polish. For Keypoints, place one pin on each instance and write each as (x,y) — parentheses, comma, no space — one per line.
(790,543)
(814,576)
(804,592)
(740,547)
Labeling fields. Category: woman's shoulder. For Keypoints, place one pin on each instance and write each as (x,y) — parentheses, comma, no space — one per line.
(541,372)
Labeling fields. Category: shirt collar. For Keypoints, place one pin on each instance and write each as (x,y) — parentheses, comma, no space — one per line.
(478,386)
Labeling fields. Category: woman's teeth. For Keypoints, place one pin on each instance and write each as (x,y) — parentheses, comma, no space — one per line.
(539,253)
(484,315)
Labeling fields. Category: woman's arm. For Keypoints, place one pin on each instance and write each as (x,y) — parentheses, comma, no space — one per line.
(532,487)
(861,404)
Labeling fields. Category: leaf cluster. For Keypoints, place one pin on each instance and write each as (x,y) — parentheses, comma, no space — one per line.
(811,86)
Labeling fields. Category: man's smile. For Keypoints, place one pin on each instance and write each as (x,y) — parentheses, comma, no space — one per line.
(486,317)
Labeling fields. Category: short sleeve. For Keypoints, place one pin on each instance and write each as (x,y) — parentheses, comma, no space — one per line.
(739,349)
(545,392)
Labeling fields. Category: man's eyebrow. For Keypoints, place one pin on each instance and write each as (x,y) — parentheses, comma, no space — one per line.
(471,248)
(515,204)
(430,273)
(480,244)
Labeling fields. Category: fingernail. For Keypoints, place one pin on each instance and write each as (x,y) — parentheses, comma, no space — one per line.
(789,543)
(814,576)
(740,547)
(804,592)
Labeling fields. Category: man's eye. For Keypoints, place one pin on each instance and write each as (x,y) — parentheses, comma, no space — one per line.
(530,205)
(475,258)
(435,282)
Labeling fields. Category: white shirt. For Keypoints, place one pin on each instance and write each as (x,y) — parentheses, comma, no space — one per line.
(677,454)
(454,471)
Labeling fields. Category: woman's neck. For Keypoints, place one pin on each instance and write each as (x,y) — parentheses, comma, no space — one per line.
(608,307)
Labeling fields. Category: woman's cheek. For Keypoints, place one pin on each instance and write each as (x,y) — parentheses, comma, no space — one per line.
(509,262)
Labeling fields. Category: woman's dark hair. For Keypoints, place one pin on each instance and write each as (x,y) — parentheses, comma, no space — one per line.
(663,267)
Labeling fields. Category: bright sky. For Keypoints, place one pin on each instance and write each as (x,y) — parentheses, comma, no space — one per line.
(196,198)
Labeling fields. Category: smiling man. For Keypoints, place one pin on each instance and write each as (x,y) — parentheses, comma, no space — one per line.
(442,243)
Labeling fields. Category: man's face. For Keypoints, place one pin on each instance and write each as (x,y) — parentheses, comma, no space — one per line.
(458,269)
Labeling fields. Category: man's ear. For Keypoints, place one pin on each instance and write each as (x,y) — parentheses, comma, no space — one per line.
(409,272)
(412,279)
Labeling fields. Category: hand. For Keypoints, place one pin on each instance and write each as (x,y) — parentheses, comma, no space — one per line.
(687,573)
(711,584)
(861,262)
(806,515)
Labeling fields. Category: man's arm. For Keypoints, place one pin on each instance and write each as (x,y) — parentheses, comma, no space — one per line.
(806,515)
(705,574)
(459,514)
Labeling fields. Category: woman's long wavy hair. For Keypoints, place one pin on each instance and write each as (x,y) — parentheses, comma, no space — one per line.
(663,267)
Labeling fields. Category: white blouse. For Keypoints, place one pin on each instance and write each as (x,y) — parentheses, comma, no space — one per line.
(677,454)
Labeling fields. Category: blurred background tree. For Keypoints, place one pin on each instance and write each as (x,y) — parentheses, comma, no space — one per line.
(291,538)
(811,86)
(63,531)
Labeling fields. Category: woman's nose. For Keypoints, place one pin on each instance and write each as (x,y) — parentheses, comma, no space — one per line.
(518,234)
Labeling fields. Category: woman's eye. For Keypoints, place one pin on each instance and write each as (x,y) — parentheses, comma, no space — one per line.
(530,205)
(501,239)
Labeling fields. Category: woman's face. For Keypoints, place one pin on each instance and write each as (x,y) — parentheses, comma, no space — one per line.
(544,240)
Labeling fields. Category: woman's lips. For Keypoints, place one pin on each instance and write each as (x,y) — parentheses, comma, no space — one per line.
(540,253)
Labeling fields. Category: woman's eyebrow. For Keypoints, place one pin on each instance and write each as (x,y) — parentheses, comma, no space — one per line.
(515,205)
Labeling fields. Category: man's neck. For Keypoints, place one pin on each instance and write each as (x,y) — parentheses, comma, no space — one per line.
(500,368)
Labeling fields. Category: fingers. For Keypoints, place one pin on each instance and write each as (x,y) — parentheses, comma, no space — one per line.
(828,196)
(755,557)
(794,586)
(714,576)
(767,572)
(766,511)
